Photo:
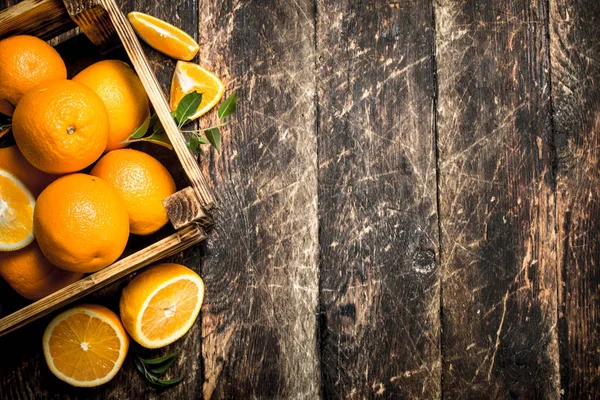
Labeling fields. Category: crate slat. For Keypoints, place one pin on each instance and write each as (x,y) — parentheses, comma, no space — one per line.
(157,97)
(93,20)
(43,18)
(153,253)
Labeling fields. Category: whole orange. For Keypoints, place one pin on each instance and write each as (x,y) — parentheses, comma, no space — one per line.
(31,275)
(61,127)
(13,161)
(81,223)
(27,62)
(143,182)
(123,94)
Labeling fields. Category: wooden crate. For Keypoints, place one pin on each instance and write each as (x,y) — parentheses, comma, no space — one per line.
(189,209)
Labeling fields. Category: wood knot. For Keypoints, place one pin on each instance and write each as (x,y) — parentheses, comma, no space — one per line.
(423,261)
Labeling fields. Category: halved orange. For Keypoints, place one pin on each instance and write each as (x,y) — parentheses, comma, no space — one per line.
(16,213)
(85,346)
(163,36)
(191,77)
(161,304)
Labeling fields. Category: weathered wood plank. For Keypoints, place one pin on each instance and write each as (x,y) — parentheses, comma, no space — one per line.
(377,200)
(259,319)
(44,18)
(575,60)
(496,200)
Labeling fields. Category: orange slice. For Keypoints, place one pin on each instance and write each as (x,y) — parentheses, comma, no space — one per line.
(163,36)
(161,304)
(191,77)
(16,213)
(85,346)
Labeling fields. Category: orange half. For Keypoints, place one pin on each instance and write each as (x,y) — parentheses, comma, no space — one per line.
(163,36)
(85,346)
(161,304)
(191,77)
(16,213)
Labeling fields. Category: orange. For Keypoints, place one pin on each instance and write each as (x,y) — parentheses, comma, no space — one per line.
(81,223)
(27,62)
(31,275)
(123,95)
(16,213)
(161,304)
(13,161)
(191,77)
(143,182)
(6,108)
(85,346)
(163,36)
(61,127)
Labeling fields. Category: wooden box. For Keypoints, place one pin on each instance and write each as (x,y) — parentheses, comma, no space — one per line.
(105,26)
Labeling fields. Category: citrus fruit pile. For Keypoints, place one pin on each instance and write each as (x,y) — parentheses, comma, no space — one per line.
(71,194)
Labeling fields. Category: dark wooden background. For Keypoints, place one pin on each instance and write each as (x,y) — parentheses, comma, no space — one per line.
(410,205)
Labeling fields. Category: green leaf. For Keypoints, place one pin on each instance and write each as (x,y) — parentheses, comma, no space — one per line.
(195,145)
(187,107)
(167,382)
(160,360)
(159,138)
(162,368)
(7,140)
(138,364)
(155,124)
(141,131)
(228,107)
(214,137)
(152,369)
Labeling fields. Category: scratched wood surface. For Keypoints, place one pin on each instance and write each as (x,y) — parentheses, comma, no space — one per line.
(377,200)
(575,50)
(499,310)
(409,205)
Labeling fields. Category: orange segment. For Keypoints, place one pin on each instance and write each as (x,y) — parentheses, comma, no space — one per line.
(16,213)
(170,309)
(85,346)
(161,304)
(191,77)
(163,36)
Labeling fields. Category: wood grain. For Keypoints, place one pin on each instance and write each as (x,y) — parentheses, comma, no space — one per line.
(259,322)
(44,18)
(183,208)
(575,50)
(377,200)
(499,306)
(93,20)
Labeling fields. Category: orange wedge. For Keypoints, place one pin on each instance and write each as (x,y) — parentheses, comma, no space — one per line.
(161,304)
(16,213)
(191,77)
(85,346)
(163,36)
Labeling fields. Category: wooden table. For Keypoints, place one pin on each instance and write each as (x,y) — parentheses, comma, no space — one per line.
(410,205)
